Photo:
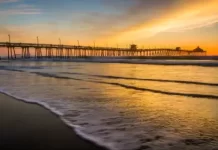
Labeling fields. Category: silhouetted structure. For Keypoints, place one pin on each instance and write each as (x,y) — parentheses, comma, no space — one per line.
(133,47)
(199,51)
(178,48)
(70,51)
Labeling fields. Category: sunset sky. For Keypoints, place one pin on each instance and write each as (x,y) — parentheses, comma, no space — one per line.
(148,23)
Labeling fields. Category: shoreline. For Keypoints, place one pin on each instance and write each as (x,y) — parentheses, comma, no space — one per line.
(29,125)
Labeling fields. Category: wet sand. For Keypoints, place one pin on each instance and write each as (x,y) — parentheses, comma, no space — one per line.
(29,126)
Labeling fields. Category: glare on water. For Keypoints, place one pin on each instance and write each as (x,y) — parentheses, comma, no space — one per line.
(124,106)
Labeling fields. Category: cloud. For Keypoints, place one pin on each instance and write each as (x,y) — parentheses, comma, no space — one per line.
(125,15)
(47,32)
(181,16)
(21,9)
(8,1)
(124,21)
(129,20)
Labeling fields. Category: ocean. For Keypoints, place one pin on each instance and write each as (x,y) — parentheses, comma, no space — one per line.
(125,106)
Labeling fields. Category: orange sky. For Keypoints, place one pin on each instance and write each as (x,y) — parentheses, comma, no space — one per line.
(171,23)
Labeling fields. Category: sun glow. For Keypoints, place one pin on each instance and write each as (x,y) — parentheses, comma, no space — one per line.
(196,16)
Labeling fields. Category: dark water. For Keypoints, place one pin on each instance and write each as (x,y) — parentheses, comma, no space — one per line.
(124,106)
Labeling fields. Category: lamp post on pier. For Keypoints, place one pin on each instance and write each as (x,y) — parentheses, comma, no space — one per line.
(9,38)
(78,42)
(59,41)
(59,50)
(37,38)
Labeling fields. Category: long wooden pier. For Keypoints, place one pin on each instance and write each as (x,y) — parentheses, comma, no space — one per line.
(71,51)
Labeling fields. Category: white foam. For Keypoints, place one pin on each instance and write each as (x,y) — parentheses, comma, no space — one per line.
(32,101)
(77,128)
(90,116)
(96,140)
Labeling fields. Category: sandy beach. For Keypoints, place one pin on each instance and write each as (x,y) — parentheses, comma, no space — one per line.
(30,126)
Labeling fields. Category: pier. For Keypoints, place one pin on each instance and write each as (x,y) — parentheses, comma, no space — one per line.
(72,51)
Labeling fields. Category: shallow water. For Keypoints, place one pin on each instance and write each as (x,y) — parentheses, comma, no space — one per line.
(124,106)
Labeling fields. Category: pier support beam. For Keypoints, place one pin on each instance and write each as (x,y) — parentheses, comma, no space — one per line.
(11,52)
(25,52)
(38,52)
(49,52)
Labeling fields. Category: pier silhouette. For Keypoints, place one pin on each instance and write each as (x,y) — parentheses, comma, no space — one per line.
(72,51)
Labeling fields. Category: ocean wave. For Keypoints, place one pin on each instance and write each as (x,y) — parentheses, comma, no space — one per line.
(76,128)
(129,131)
(144,79)
(128,86)
(98,140)
(204,61)
(32,101)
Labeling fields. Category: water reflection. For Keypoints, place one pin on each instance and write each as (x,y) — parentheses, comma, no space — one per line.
(125,116)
